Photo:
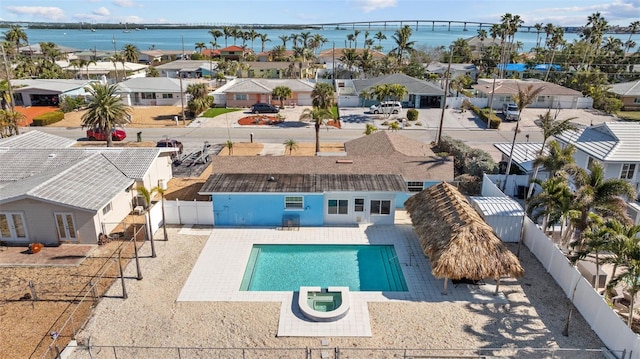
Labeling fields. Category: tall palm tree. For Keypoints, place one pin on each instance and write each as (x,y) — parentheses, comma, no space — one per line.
(380,36)
(550,127)
(557,39)
(290,145)
(403,45)
(118,57)
(147,195)
(161,191)
(199,46)
(226,32)
(553,203)
(263,38)
(323,95)
(355,38)
(592,33)
(557,158)
(596,194)
(523,98)
(215,33)
(284,39)
(130,53)
(538,27)
(105,109)
(596,241)
(50,51)
(630,257)
(619,235)
(16,35)
(9,120)
(305,36)
(317,115)
(633,28)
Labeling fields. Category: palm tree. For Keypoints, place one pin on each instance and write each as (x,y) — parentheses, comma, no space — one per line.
(9,120)
(633,28)
(294,38)
(215,33)
(403,45)
(152,72)
(522,99)
(596,240)
(538,27)
(50,51)
(284,39)
(550,127)
(349,58)
(323,95)
(229,146)
(557,158)
(117,57)
(147,195)
(290,145)
(380,36)
(226,32)
(619,235)
(105,109)
(264,38)
(281,93)
(130,53)
(630,257)
(355,38)
(596,194)
(199,46)
(557,39)
(553,203)
(16,35)
(317,115)
(369,129)
(394,126)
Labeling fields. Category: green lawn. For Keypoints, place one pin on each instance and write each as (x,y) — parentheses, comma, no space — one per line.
(213,112)
(630,115)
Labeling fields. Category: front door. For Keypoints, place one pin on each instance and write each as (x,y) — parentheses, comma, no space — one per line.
(12,227)
(66,227)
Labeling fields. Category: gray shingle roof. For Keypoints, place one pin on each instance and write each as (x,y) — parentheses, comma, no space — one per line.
(267,85)
(414,85)
(36,139)
(302,183)
(610,141)
(626,88)
(150,84)
(387,142)
(510,87)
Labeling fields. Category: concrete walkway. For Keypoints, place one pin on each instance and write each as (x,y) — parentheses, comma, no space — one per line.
(272,149)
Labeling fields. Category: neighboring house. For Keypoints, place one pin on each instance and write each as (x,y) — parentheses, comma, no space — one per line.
(54,193)
(246,92)
(46,92)
(151,56)
(366,185)
(329,56)
(552,96)
(267,55)
(457,70)
(629,92)
(96,55)
(68,53)
(233,52)
(422,94)
(478,45)
(187,68)
(152,91)
(616,145)
(107,69)
(276,70)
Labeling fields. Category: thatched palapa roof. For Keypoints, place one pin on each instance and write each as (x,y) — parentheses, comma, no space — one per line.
(458,242)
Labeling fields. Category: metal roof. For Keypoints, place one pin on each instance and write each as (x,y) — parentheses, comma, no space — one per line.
(609,141)
(301,183)
(523,153)
(497,206)
(626,88)
(36,139)
(56,85)
(150,84)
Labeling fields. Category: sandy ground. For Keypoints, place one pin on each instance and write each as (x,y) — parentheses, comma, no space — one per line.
(151,317)
(141,116)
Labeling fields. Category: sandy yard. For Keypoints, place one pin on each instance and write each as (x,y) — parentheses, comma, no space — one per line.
(141,116)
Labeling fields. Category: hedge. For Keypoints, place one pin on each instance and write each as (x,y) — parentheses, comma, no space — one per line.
(484,114)
(48,118)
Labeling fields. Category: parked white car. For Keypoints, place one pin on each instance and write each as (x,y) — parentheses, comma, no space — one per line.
(393,107)
(510,112)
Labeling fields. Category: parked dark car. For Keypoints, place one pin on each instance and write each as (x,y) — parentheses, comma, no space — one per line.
(264,108)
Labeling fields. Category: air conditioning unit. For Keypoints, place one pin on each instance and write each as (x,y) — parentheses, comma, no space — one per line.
(162,184)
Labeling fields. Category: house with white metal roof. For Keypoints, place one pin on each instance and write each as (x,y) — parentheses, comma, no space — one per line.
(551,96)
(46,92)
(629,92)
(616,145)
(187,68)
(152,91)
(55,193)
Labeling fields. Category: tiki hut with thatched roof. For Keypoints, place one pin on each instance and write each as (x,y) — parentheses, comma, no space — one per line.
(455,238)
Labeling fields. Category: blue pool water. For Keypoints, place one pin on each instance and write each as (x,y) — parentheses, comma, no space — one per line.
(279,267)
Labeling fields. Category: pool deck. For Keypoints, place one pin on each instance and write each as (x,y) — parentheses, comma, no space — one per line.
(218,272)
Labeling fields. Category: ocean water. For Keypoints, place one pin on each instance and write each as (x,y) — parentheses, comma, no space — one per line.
(178,39)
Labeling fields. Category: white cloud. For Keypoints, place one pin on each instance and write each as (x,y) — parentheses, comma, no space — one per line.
(371,5)
(101,11)
(49,13)
(124,3)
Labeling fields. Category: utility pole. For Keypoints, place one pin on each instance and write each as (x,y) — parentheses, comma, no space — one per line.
(493,88)
(444,102)
(182,98)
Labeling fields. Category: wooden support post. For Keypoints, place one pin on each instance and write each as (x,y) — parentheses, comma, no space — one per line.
(135,251)
(444,291)
(34,295)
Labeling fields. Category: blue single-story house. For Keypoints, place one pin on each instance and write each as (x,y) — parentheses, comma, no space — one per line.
(364,185)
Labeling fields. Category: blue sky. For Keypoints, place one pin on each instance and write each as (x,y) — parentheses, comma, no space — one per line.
(558,12)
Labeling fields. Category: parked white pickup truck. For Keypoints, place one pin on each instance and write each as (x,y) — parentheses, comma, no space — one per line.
(510,112)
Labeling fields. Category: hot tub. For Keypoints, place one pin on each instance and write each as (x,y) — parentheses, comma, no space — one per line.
(324,304)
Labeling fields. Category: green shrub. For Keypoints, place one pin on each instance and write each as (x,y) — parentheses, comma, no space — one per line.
(484,114)
(467,160)
(412,114)
(48,118)
(68,103)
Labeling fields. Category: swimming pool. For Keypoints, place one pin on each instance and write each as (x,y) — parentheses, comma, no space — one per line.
(280,267)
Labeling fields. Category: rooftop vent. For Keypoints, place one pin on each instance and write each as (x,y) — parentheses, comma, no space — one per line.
(271,179)
(52,155)
(344,161)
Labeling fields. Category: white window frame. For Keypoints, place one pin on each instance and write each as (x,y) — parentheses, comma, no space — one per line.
(167,95)
(240,97)
(291,203)
(341,207)
(148,95)
(628,171)
(376,208)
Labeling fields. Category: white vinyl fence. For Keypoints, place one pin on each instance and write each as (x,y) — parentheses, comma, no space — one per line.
(611,329)
(189,212)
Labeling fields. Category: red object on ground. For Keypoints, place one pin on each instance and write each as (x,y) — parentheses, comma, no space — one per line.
(35,247)
(95,134)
